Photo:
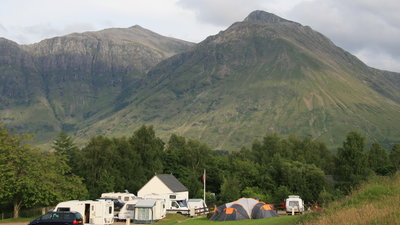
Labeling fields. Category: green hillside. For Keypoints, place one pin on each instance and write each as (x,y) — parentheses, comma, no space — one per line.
(57,83)
(375,203)
(265,74)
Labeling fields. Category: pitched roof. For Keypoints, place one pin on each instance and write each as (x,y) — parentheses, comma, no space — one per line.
(171,182)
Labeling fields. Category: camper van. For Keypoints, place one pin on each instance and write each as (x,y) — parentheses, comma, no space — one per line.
(128,210)
(124,197)
(174,203)
(149,210)
(294,204)
(93,212)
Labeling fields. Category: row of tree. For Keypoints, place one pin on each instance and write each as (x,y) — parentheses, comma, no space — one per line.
(271,169)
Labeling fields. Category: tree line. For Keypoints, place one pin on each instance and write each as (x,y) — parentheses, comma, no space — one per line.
(270,170)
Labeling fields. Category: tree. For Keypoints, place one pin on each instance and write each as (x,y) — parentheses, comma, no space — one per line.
(65,148)
(98,166)
(150,148)
(395,156)
(378,159)
(29,177)
(351,162)
(230,189)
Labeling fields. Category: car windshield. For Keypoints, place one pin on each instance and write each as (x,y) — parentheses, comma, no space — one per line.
(182,203)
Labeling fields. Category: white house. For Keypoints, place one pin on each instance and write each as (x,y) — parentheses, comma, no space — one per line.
(162,184)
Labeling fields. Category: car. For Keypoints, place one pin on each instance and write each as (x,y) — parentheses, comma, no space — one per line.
(59,218)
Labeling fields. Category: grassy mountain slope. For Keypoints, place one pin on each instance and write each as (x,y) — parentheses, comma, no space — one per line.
(57,83)
(265,74)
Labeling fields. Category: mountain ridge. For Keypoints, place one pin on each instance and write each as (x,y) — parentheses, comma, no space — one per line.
(269,59)
(264,74)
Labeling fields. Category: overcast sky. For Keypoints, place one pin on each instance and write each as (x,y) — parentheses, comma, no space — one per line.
(369,29)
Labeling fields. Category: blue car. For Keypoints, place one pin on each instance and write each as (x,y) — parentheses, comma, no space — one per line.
(59,218)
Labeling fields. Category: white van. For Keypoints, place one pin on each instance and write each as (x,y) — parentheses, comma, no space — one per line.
(294,204)
(174,203)
(93,212)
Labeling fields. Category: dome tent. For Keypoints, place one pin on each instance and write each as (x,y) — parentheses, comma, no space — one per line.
(244,208)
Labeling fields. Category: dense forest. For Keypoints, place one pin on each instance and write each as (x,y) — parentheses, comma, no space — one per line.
(270,170)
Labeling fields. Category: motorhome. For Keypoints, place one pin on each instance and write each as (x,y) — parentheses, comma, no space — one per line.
(294,204)
(128,210)
(174,203)
(93,212)
(149,210)
(124,197)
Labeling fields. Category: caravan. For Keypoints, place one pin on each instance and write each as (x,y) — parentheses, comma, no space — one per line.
(93,212)
(128,210)
(294,204)
(149,210)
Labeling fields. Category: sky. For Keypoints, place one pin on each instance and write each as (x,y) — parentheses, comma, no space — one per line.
(369,29)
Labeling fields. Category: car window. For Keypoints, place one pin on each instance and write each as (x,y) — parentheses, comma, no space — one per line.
(46,216)
(55,216)
(78,216)
(67,216)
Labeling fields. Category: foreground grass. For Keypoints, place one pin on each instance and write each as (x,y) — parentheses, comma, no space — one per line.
(375,203)
(177,219)
(18,220)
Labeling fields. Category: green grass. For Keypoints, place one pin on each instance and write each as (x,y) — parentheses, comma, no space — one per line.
(18,220)
(375,202)
(177,219)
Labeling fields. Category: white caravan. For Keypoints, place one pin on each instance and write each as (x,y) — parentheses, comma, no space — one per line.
(128,210)
(93,212)
(294,204)
(124,197)
(149,210)
(174,203)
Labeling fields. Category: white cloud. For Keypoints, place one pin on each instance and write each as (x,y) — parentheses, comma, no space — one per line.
(359,26)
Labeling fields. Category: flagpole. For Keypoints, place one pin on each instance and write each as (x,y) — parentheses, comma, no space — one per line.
(204,178)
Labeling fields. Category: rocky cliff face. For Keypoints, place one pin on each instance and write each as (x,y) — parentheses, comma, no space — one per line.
(75,77)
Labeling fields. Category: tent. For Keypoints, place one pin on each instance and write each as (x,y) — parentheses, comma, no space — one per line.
(244,208)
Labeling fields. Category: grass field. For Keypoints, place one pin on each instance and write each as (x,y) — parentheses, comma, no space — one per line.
(375,203)
(19,220)
(177,219)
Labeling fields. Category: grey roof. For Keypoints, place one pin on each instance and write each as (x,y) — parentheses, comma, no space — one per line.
(146,203)
(172,183)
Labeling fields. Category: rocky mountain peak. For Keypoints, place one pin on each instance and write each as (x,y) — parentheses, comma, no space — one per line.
(262,16)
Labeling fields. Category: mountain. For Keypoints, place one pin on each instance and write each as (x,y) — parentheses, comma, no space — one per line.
(59,83)
(264,74)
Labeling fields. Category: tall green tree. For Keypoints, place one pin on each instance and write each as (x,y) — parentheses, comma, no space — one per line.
(351,162)
(378,159)
(150,148)
(69,153)
(98,166)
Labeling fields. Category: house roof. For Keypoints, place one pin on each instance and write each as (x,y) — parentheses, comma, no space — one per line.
(171,182)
